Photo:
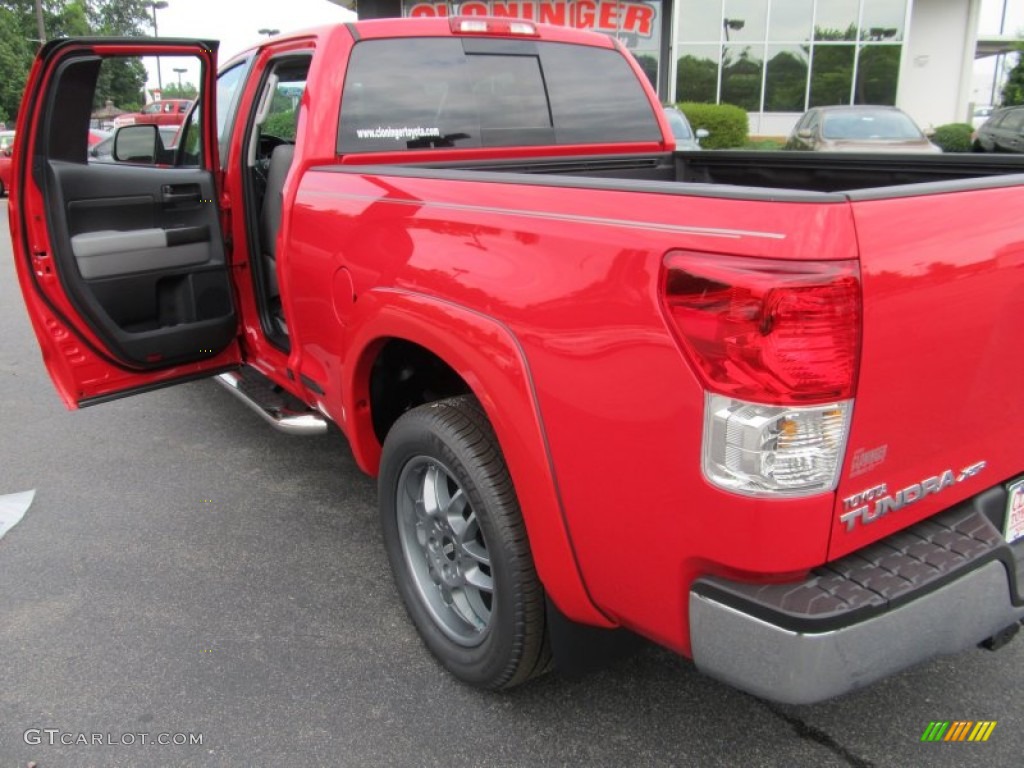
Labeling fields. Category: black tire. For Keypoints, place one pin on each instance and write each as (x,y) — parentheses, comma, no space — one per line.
(453,440)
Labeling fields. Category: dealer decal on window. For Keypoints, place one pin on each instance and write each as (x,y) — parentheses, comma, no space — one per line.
(391,132)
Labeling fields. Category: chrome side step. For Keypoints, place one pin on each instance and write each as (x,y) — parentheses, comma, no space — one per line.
(273,409)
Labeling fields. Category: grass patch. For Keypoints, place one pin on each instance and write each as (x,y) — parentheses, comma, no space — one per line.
(765,144)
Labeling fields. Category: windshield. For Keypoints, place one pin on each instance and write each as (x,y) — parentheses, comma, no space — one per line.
(869,125)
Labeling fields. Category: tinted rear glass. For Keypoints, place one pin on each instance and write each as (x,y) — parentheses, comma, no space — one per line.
(423,93)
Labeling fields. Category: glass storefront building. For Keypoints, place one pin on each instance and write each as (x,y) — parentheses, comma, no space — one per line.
(773,58)
(788,55)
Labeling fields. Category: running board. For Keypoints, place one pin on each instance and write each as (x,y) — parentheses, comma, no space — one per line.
(273,410)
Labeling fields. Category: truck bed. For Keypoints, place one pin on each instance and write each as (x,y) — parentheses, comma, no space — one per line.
(753,175)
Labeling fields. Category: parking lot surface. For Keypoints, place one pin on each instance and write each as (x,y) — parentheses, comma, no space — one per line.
(184,571)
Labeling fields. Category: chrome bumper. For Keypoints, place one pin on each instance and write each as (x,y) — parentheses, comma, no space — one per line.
(852,623)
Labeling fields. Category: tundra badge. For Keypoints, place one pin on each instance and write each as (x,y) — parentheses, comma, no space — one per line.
(874,503)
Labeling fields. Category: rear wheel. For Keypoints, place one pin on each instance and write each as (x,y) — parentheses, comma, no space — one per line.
(457,545)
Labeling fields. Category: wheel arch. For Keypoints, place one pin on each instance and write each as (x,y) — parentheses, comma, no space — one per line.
(485,355)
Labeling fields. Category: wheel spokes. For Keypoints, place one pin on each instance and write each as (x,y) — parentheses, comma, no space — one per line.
(477,579)
(434,492)
(446,548)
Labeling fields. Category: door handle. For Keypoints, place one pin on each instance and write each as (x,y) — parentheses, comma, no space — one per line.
(180,193)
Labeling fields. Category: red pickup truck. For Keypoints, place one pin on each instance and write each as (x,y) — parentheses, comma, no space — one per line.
(762,408)
(166,112)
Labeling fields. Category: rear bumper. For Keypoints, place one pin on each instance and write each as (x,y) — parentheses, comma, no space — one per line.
(938,587)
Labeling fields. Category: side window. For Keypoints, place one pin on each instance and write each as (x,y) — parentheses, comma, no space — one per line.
(1014,120)
(229,90)
(114,132)
(283,112)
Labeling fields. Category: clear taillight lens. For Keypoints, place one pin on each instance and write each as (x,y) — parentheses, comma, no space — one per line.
(770,450)
(765,330)
(776,345)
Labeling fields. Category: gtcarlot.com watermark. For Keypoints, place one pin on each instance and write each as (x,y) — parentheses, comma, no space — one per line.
(56,737)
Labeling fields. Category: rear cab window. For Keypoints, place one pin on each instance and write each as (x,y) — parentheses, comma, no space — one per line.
(435,93)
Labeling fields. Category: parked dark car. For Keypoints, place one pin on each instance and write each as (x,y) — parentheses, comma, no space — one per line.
(685,136)
(1003,132)
(858,129)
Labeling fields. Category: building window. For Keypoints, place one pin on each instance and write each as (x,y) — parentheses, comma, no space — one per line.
(788,55)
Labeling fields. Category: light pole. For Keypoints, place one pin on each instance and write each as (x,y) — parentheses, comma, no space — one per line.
(734,24)
(269,32)
(41,26)
(158,6)
(180,71)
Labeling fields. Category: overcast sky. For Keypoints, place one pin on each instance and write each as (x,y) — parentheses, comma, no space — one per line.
(236,23)
(992,13)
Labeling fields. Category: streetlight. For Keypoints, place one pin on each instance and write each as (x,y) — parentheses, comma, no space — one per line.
(41,25)
(159,5)
(180,71)
(734,24)
(269,32)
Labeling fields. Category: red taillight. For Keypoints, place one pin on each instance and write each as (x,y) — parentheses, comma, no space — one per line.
(768,331)
(480,25)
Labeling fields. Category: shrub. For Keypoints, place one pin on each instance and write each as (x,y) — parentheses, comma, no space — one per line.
(726,123)
(954,137)
(281,124)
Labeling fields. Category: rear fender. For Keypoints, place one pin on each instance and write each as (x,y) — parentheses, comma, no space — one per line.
(489,358)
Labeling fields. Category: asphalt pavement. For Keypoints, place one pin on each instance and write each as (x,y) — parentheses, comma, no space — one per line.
(187,573)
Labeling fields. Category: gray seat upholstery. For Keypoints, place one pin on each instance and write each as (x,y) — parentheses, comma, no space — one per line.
(270,216)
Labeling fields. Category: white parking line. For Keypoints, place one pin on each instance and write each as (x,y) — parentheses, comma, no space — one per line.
(13,507)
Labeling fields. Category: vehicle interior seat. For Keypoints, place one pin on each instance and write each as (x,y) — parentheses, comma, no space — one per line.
(270,216)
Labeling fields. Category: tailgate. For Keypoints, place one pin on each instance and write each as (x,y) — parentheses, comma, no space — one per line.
(939,415)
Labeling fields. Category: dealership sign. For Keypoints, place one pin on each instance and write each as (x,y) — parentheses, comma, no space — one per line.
(615,17)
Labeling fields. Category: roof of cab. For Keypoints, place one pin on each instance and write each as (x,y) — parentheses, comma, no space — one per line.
(377,29)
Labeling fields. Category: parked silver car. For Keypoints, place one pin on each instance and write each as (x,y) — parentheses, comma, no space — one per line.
(685,136)
(858,129)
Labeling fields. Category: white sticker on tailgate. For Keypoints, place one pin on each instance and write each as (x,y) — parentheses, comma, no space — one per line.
(1014,528)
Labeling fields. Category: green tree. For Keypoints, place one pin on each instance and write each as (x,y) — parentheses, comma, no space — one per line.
(741,80)
(124,80)
(121,81)
(649,65)
(785,83)
(831,75)
(15,59)
(1013,89)
(697,79)
(878,72)
(185,91)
